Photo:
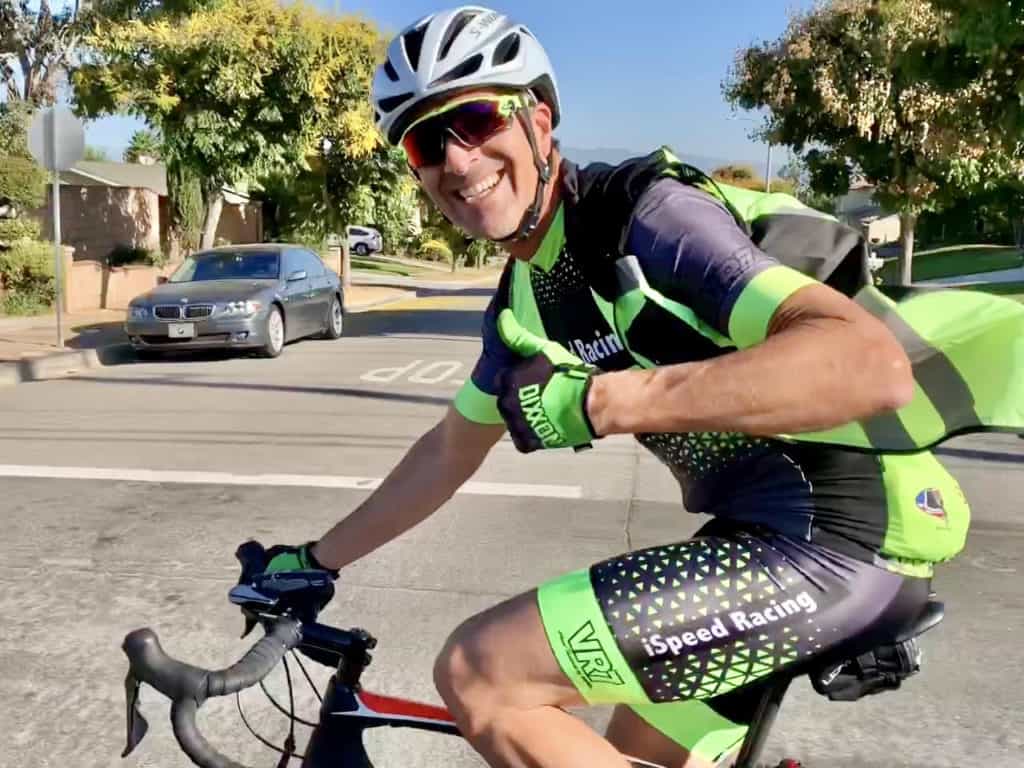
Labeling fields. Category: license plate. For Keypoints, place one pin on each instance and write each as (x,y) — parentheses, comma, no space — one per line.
(181,330)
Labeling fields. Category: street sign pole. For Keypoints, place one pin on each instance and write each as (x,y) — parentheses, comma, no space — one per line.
(57,141)
(58,251)
(58,255)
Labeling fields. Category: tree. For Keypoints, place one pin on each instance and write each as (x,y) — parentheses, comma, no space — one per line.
(746,177)
(836,81)
(40,46)
(239,89)
(95,154)
(797,177)
(22,181)
(981,40)
(143,144)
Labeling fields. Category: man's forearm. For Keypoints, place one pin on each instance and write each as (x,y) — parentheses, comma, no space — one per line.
(425,479)
(814,376)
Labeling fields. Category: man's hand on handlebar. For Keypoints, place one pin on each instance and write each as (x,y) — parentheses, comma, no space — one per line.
(282,557)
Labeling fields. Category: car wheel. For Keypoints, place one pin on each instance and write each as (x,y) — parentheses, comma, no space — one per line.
(362,249)
(335,320)
(273,332)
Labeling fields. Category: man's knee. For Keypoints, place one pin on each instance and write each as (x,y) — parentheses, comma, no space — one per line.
(463,670)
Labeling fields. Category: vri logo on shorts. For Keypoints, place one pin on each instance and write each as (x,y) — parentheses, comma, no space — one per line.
(590,658)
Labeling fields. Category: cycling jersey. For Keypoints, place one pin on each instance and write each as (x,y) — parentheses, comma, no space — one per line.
(689,256)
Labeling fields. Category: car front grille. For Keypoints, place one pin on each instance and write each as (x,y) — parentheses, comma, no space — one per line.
(206,338)
(167,312)
(198,311)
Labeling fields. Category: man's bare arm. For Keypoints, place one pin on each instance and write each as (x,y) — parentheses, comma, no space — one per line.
(825,362)
(429,474)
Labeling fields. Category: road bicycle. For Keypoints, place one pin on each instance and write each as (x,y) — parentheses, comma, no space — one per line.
(286,606)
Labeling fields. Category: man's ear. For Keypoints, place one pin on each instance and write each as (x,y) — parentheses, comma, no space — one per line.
(542,128)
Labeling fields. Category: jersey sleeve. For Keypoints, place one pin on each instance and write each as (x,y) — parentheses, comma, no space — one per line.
(691,250)
(477,399)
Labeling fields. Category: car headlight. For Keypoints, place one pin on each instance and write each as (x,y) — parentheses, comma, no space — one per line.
(241,308)
(138,313)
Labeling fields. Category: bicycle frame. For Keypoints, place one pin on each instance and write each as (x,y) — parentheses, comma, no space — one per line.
(337,741)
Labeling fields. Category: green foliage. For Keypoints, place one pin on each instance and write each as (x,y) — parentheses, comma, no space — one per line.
(982,40)
(374,190)
(480,252)
(95,154)
(12,230)
(22,181)
(185,195)
(146,143)
(41,42)
(238,89)
(436,249)
(731,174)
(27,277)
(745,177)
(836,80)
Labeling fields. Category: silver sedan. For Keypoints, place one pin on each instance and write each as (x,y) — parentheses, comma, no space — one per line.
(239,297)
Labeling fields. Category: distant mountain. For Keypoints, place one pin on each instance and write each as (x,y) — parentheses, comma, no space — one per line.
(615,155)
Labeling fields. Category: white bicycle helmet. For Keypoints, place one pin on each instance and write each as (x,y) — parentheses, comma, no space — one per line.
(453,50)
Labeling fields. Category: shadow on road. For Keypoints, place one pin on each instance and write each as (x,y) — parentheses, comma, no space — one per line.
(433,322)
(330,391)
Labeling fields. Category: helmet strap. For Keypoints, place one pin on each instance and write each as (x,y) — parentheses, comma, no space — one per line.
(532,216)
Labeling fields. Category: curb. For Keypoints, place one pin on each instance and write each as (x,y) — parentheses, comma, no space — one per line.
(58,365)
(356,308)
(61,364)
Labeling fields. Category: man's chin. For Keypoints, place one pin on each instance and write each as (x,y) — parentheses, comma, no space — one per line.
(489,230)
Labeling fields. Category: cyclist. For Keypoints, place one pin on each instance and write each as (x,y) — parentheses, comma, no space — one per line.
(725,348)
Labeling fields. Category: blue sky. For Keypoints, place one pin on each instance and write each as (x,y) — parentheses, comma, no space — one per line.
(632,75)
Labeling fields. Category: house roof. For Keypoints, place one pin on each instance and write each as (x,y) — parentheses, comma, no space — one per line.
(134,175)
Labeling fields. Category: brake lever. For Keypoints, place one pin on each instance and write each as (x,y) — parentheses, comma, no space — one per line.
(253,559)
(137,725)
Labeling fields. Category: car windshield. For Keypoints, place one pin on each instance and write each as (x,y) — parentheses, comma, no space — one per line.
(229,265)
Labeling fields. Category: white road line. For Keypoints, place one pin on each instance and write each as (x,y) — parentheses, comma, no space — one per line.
(302,481)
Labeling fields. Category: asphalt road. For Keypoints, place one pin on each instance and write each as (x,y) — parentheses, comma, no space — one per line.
(126,491)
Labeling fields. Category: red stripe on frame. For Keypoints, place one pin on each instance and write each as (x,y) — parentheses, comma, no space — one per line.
(385,705)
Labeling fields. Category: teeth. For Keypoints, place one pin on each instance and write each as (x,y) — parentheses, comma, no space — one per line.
(480,187)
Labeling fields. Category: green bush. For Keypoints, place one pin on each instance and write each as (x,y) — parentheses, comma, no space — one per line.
(26,272)
(12,230)
(126,254)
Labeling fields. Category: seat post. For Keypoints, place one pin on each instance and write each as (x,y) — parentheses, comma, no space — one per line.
(764,718)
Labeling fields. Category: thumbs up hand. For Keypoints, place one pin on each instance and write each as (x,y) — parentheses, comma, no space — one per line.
(543,398)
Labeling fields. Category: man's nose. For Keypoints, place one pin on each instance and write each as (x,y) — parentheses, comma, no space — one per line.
(457,156)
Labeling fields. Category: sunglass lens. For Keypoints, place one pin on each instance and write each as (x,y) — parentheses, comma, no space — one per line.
(472,123)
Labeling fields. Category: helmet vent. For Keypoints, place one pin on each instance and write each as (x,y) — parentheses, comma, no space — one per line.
(390,70)
(458,24)
(392,103)
(465,69)
(506,51)
(413,41)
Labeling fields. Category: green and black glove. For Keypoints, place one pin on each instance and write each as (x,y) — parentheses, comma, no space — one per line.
(281,557)
(543,398)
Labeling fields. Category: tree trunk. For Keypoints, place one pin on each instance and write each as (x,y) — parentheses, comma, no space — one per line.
(346,264)
(1018,231)
(907,223)
(213,208)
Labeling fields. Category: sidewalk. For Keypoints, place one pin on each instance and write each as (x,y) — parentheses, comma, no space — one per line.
(28,345)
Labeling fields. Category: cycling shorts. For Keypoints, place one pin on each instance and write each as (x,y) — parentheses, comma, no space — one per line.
(689,634)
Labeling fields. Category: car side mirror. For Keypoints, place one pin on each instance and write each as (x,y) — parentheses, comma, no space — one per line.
(299,274)
(161,279)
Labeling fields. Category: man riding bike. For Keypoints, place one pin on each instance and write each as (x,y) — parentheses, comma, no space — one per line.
(703,347)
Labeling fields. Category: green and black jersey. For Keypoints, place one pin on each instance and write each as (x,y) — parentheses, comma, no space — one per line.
(695,286)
